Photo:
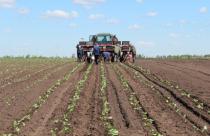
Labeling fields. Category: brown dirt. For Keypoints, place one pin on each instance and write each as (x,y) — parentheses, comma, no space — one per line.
(10,75)
(86,118)
(17,98)
(43,121)
(168,122)
(124,117)
(191,75)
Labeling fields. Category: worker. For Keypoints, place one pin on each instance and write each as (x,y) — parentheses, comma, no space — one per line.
(130,57)
(96,52)
(104,39)
(106,56)
(78,52)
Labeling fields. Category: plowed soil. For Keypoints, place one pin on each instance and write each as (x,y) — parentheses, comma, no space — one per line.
(140,101)
(193,75)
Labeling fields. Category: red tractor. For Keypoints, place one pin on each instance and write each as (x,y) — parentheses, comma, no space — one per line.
(107,43)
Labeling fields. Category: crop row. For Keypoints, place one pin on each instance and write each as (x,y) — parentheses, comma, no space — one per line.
(65,121)
(24,78)
(105,114)
(18,69)
(19,123)
(45,77)
(199,104)
(23,68)
(134,101)
(35,82)
(168,100)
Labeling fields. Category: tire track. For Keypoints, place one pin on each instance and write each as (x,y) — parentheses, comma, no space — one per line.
(148,121)
(177,104)
(58,98)
(194,101)
(86,119)
(58,102)
(185,72)
(16,103)
(126,119)
(21,122)
(66,124)
(23,87)
(186,68)
(95,127)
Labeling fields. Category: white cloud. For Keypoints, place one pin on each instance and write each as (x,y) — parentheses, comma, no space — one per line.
(96,16)
(135,27)
(23,11)
(88,3)
(140,1)
(203,10)
(60,14)
(146,44)
(7,3)
(152,14)
(113,21)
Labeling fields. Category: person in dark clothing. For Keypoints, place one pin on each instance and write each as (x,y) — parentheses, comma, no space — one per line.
(79,52)
(96,52)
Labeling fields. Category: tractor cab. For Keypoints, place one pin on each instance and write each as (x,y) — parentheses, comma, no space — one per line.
(104,40)
(107,43)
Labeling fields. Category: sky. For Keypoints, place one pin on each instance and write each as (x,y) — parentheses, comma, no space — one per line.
(54,27)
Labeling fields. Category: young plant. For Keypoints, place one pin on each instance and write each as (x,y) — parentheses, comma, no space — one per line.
(19,123)
(65,121)
(137,106)
(111,130)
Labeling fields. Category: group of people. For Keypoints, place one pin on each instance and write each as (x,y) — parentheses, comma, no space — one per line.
(96,52)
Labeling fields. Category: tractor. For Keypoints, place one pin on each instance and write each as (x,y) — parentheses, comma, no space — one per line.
(107,43)
(128,52)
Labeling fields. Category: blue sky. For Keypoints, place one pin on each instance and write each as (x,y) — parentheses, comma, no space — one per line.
(155,27)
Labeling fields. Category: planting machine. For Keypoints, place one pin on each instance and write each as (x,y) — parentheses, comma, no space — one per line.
(107,43)
(128,52)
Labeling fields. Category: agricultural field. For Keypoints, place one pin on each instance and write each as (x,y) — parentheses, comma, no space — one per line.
(58,96)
